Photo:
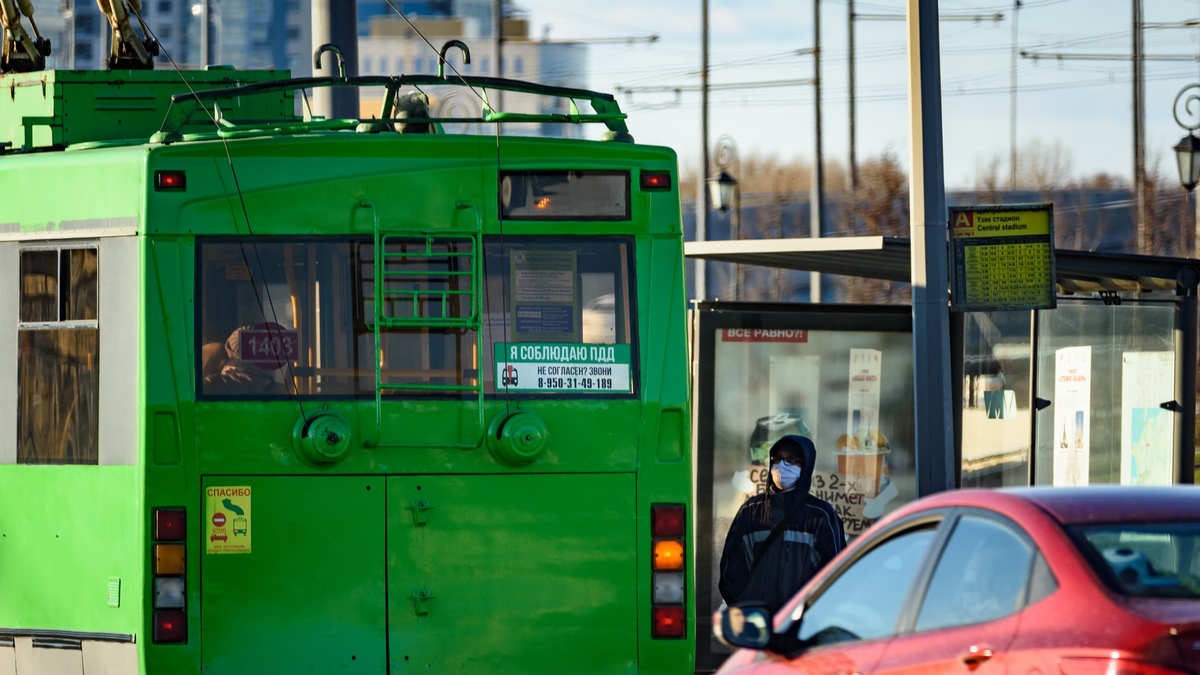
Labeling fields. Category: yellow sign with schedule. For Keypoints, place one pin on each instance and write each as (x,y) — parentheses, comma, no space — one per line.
(1003,257)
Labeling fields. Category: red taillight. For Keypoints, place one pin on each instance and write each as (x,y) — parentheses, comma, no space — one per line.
(170,180)
(170,625)
(666,520)
(656,181)
(170,524)
(668,622)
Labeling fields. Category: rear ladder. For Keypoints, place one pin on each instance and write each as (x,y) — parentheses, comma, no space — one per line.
(431,306)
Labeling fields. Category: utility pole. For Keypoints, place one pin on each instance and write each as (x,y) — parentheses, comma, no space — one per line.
(1139,58)
(335,22)
(818,176)
(1139,127)
(702,188)
(1012,106)
(69,14)
(498,31)
(205,17)
(853,115)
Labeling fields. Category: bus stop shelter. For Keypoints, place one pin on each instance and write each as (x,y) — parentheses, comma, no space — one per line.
(1100,389)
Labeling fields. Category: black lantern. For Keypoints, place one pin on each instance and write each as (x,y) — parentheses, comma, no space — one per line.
(1187,154)
(721,190)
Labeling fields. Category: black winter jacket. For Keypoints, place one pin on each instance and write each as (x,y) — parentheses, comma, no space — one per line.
(813,537)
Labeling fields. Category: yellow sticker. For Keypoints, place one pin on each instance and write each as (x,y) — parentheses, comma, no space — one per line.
(227,519)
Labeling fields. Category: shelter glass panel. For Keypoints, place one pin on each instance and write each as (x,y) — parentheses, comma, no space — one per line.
(1106,371)
(841,376)
(996,422)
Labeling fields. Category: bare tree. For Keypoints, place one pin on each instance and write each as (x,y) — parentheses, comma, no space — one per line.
(988,180)
(880,207)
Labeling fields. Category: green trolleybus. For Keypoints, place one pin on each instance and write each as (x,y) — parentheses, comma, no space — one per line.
(288,394)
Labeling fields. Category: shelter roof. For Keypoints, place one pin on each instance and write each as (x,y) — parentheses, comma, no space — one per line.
(877,257)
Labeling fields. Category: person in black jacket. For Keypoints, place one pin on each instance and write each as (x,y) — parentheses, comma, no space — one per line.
(812,535)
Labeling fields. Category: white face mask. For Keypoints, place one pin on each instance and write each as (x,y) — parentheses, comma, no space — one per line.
(785,475)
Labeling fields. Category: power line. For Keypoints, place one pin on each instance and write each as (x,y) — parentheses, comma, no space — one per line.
(711,87)
(1062,56)
(941,17)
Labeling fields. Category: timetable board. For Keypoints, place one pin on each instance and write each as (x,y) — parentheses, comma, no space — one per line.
(1003,257)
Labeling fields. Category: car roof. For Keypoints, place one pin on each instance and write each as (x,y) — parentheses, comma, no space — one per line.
(1114,503)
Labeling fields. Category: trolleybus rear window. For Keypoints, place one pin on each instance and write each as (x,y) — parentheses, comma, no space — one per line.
(282,317)
(564,195)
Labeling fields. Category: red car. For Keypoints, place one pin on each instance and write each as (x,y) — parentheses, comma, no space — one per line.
(1034,581)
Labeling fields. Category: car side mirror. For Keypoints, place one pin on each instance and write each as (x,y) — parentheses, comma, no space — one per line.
(745,626)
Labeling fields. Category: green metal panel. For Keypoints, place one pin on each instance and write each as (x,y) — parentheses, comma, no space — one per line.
(309,596)
(64,532)
(64,107)
(512,574)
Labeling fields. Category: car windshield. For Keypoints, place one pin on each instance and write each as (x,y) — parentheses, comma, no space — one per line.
(1145,560)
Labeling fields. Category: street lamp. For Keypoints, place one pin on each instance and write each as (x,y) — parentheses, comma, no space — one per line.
(722,190)
(1187,151)
(1187,154)
(726,197)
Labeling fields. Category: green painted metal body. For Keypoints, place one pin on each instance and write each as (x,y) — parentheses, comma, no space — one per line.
(59,108)
(417,551)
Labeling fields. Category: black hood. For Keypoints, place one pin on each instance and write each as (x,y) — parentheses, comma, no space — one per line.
(802,446)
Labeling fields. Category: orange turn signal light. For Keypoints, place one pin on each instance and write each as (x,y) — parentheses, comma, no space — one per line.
(169,559)
(668,555)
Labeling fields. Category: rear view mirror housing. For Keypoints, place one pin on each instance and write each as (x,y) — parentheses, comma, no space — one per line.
(744,626)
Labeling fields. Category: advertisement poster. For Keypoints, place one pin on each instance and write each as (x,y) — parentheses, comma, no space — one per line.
(555,367)
(544,297)
(1072,415)
(1147,429)
(862,450)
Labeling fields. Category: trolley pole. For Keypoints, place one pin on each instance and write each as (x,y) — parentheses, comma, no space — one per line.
(930,302)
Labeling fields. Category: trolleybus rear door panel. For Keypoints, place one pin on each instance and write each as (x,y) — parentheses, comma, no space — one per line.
(315,549)
(489,564)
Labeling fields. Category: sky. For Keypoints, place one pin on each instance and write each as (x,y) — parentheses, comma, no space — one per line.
(1079,110)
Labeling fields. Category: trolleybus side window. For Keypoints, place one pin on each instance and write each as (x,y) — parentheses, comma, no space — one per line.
(58,363)
(281,317)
